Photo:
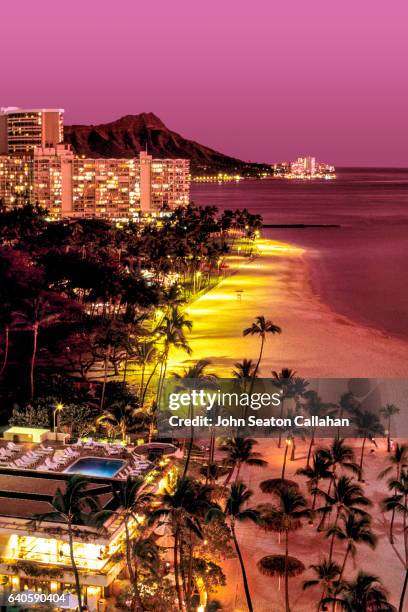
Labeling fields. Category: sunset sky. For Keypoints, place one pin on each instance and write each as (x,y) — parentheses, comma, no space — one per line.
(261,80)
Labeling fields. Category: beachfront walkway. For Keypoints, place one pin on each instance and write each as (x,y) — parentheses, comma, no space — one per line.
(316,341)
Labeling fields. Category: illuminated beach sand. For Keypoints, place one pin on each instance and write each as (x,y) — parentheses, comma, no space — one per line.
(315,341)
(306,544)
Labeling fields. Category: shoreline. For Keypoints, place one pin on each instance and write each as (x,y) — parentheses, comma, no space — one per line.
(316,340)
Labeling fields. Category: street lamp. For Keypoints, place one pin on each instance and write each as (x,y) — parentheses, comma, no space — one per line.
(58,408)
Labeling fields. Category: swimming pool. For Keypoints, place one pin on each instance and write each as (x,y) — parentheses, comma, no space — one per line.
(96,466)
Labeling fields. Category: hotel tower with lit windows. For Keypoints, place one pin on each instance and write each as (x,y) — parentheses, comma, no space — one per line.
(36,168)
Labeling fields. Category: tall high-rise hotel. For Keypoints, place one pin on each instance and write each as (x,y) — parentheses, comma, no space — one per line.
(36,167)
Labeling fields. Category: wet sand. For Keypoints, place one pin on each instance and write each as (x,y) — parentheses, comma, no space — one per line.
(315,340)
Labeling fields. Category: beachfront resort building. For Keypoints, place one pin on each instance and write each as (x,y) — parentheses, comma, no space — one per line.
(35,553)
(48,173)
(21,130)
(309,167)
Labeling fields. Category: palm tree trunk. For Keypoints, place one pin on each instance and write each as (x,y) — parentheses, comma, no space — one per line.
(324,515)
(74,567)
(210,454)
(189,450)
(338,429)
(137,605)
(105,376)
(287,607)
(191,442)
(404,589)
(241,562)
(333,536)
(257,366)
(163,378)
(6,348)
(281,416)
(316,484)
(292,454)
(125,368)
(389,435)
(392,526)
(361,460)
(227,480)
(128,555)
(33,357)
(176,570)
(148,383)
(142,378)
(284,462)
(239,464)
(190,574)
(310,448)
(344,562)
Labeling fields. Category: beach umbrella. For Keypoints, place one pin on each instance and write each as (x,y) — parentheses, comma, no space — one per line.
(274,565)
(271,485)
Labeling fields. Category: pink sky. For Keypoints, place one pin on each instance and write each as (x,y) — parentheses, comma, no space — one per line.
(261,80)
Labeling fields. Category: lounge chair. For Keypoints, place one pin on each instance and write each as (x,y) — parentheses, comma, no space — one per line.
(49,449)
(15,447)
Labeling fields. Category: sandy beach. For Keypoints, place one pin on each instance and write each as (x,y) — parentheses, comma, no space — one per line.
(315,341)
(307,545)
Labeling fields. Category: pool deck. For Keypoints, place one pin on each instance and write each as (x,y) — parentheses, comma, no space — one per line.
(127,455)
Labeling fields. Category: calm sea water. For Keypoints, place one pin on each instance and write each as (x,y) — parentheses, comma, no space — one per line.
(361,268)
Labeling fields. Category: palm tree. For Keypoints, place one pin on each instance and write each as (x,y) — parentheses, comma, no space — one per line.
(368,426)
(239,451)
(353,531)
(195,372)
(340,455)
(315,408)
(261,327)
(235,511)
(387,412)
(284,379)
(119,418)
(146,354)
(172,331)
(74,507)
(287,515)
(298,389)
(8,320)
(399,460)
(398,502)
(244,372)
(131,499)
(347,497)
(40,311)
(327,572)
(146,554)
(243,369)
(364,594)
(349,403)
(320,469)
(184,505)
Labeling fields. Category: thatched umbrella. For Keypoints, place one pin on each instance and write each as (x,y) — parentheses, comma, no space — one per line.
(271,485)
(274,565)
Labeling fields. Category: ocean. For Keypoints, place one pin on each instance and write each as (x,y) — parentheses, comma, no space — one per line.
(360,269)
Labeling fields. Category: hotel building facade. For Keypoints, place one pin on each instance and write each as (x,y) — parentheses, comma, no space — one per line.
(67,185)
(35,555)
(21,130)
